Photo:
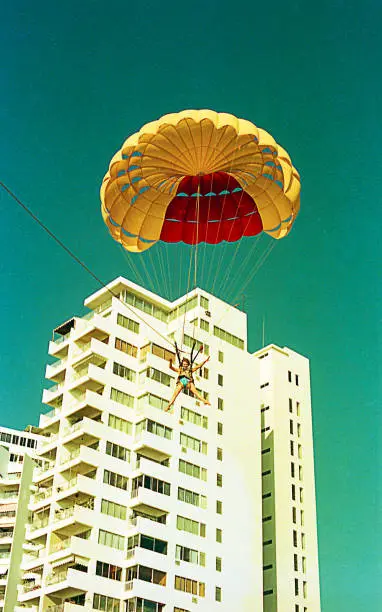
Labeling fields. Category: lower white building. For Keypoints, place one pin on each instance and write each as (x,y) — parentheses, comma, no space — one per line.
(138,509)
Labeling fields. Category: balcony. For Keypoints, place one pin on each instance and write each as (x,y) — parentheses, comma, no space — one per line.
(67,583)
(68,547)
(147,558)
(150,467)
(145,590)
(88,377)
(82,458)
(153,446)
(79,488)
(56,371)
(150,502)
(93,347)
(6,536)
(86,404)
(88,430)
(39,499)
(67,606)
(73,520)
(50,420)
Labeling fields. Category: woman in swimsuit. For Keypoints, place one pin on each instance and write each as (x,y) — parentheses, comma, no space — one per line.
(186,380)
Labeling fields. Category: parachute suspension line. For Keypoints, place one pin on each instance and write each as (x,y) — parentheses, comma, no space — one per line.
(228,242)
(259,265)
(197,237)
(79,261)
(188,290)
(132,265)
(163,279)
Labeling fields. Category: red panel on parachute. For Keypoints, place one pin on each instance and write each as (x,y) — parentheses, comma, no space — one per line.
(213,217)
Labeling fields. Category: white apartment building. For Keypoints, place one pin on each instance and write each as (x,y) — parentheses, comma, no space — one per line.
(140,510)
(16,450)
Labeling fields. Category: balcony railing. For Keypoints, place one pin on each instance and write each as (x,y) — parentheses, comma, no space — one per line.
(63,545)
(58,364)
(71,456)
(7,514)
(6,534)
(55,578)
(8,494)
(52,437)
(39,523)
(31,587)
(5,555)
(68,512)
(42,494)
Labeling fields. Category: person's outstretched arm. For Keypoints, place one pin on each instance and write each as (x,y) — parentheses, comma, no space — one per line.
(172,367)
(196,368)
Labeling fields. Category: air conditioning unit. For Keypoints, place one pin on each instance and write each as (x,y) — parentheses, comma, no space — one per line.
(207,313)
(181,422)
(194,600)
(177,562)
(184,450)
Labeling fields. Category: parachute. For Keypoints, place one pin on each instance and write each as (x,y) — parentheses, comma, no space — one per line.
(199,176)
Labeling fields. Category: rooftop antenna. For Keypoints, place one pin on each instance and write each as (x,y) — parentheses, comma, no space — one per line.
(263,338)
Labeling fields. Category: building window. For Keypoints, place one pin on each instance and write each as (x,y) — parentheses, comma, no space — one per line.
(291,426)
(220,404)
(204,325)
(192,470)
(219,535)
(227,337)
(301,495)
(266,495)
(113,540)
(296,608)
(299,430)
(298,408)
(220,380)
(219,507)
(154,428)
(266,472)
(148,543)
(304,589)
(302,521)
(219,454)
(264,385)
(265,451)
(124,372)
(106,570)
(294,514)
(266,519)
(113,509)
(264,429)
(190,497)
(296,586)
(218,564)
(151,483)
(300,472)
(303,541)
(193,417)
(292,470)
(190,586)
(153,400)
(267,542)
(294,537)
(108,604)
(267,567)
(290,405)
(221,356)
(158,376)
(148,574)
(126,347)
(128,323)
(144,305)
(219,480)
(268,592)
(304,565)
(120,424)
(295,563)
(299,451)
(115,480)
(121,398)
(193,443)
(218,594)
(189,555)
(264,408)
(291,447)
(289,376)
(162,353)
(293,492)
(190,526)
(137,604)
(204,303)
(220,429)
(119,452)
(296,378)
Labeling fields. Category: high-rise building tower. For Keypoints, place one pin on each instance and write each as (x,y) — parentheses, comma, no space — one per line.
(16,470)
(143,510)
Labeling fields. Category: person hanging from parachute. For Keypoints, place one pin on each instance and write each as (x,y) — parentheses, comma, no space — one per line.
(186,371)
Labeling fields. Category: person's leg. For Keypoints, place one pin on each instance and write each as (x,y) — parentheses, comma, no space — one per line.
(178,389)
(193,390)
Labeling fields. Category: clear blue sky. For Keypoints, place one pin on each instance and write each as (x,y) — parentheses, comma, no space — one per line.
(77,78)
